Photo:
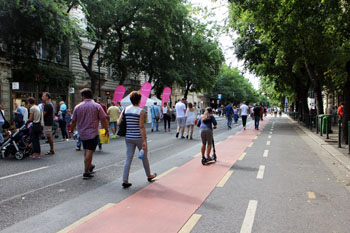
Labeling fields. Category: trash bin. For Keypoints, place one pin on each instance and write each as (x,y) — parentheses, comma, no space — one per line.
(327,118)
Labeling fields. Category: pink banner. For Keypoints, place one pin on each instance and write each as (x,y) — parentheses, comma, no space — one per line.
(145,92)
(118,94)
(166,95)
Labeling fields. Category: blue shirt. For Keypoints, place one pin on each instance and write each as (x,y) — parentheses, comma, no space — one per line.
(155,111)
(228,110)
(207,124)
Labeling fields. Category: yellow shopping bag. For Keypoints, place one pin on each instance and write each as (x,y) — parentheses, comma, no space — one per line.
(103,138)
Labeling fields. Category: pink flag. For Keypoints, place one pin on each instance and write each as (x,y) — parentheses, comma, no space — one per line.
(118,94)
(166,95)
(145,92)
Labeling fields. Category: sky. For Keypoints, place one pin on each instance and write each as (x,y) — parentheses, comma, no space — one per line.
(220,9)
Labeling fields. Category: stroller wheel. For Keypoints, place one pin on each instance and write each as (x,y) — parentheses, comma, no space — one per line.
(19,155)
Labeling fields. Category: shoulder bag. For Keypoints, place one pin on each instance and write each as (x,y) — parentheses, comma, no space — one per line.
(122,126)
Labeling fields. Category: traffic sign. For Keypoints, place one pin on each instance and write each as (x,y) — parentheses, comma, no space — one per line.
(219,96)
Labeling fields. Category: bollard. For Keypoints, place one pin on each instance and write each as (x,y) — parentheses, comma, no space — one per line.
(321,127)
(339,133)
(316,121)
(327,133)
(349,136)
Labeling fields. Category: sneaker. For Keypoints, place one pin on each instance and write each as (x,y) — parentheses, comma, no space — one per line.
(114,136)
(77,148)
(182,137)
(126,185)
(91,170)
(177,134)
(87,176)
(151,131)
(191,138)
(187,137)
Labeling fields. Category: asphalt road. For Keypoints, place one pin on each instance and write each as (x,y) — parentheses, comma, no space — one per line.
(31,186)
(285,183)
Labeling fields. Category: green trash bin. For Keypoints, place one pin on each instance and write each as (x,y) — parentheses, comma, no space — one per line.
(327,118)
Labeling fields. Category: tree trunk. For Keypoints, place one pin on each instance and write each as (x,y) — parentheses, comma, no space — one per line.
(317,86)
(188,86)
(346,111)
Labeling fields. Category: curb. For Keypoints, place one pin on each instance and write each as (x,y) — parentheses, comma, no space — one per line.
(339,156)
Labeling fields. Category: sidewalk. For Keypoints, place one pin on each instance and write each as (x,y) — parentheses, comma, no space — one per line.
(330,145)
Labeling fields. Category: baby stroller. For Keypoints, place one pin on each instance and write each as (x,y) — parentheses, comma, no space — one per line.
(18,143)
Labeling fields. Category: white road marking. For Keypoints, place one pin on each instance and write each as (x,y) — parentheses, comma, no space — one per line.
(251,144)
(261,172)
(256,137)
(270,136)
(225,179)
(190,224)
(268,143)
(311,195)
(248,221)
(270,132)
(266,153)
(21,173)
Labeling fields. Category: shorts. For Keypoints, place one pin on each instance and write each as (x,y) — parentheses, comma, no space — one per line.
(48,131)
(207,136)
(90,144)
(113,125)
(181,122)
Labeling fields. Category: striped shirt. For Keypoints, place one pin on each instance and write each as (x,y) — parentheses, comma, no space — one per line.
(88,115)
(132,115)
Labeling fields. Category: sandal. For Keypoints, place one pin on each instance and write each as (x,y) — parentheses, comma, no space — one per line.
(50,152)
(151,178)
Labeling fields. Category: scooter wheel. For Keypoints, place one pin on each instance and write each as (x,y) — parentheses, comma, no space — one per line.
(19,155)
(204,161)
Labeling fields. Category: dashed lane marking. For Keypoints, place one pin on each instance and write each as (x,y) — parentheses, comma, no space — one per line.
(268,143)
(266,153)
(270,132)
(251,144)
(225,179)
(86,218)
(256,137)
(261,172)
(311,195)
(21,173)
(165,173)
(270,136)
(242,156)
(248,221)
(190,224)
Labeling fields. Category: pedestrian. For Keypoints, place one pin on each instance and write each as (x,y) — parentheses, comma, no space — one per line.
(229,114)
(155,113)
(2,122)
(261,113)
(121,108)
(35,117)
(180,117)
(135,137)
(244,112)
(113,113)
(275,111)
(257,114)
(87,116)
(166,114)
(341,111)
(207,123)
(68,121)
(48,113)
(190,120)
(19,116)
(235,114)
(62,121)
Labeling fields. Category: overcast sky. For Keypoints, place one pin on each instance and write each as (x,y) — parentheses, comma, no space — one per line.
(220,9)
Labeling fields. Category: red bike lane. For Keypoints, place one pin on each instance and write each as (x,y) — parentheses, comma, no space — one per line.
(166,205)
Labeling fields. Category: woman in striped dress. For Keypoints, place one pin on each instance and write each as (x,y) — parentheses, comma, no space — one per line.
(135,137)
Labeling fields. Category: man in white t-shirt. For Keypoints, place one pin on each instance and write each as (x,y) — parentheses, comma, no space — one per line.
(181,117)
(244,112)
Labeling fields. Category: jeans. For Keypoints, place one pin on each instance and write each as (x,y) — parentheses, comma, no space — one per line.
(244,120)
(131,145)
(166,119)
(235,117)
(1,130)
(155,121)
(257,121)
(229,120)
